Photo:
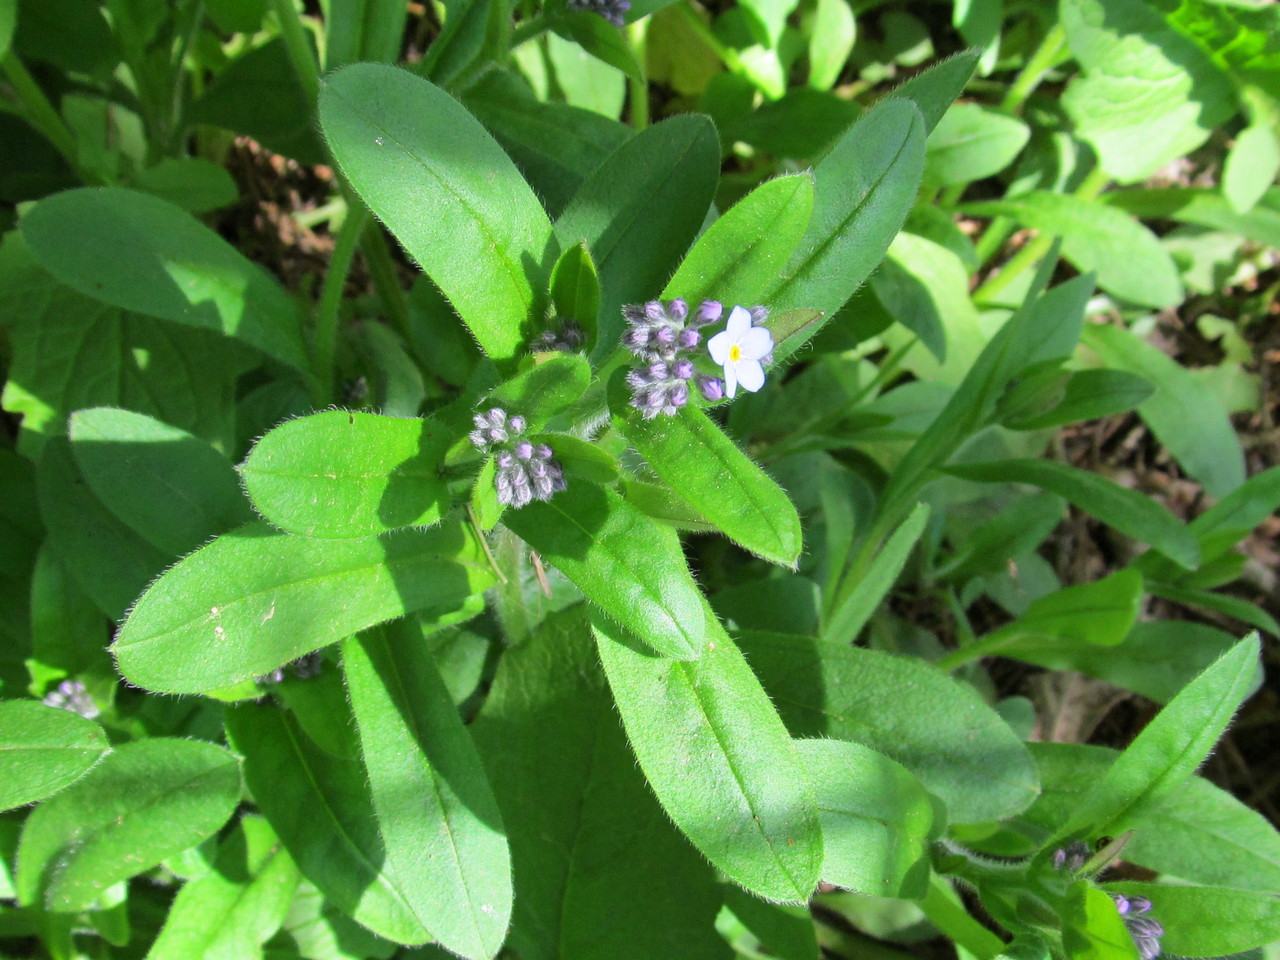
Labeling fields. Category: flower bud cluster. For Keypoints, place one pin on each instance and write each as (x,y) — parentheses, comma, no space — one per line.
(663,337)
(525,471)
(71,695)
(1071,857)
(612,10)
(569,339)
(1145,930)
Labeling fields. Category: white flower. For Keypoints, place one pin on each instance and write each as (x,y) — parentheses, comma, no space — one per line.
(739,348)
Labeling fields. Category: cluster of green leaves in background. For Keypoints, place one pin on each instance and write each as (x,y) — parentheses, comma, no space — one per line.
(414,722)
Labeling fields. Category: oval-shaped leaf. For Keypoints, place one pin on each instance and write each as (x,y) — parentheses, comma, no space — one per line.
(43,749)
(935,726)
(876,819)
(1208,921)
(540,393)
(972,142)
(320,806)
(691,453)
(627,563)
(1169,748)
(254,599)
(442,185)
(176,268)
(575,291)
(235,907)
(145,802)
(173,488)
(1129,511)
(639,211)
(343,474)
(719,759)
(438,818)
(863,190)
(739,256)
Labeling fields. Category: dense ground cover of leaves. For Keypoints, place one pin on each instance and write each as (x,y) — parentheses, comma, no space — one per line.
(792,478)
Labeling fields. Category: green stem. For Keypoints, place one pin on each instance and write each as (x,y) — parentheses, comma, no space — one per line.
(727,54)
(638,90)
(986,646)
(1034,252)
(377,255)
(993,238)
(945,912)
(294,35)
(187,33)
(42,114)
(1041,62)
(331,302)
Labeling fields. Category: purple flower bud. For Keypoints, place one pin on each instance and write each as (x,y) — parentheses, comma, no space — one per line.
(1122,903)
(1059,855)
(758,315)
(709,311)
(542,451)
(678,395)
(677,310)
(478,439)
(537,468)
(689,338)
(481,421)
(520,496)
(558,483)
(497,416)
(516,425)
(1139,904)
(519,476)
(633,313)
(684,369)
(653,311)
(543,487)
(1144,927)
(503,484)
(658,371)
(505,460)
(713,389)
(497,435)
(666,334)
(524,449)
(1148,947)
(637,338)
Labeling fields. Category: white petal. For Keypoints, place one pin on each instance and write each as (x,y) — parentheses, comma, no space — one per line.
(731,379)
(739,323)
(751,374)
(756,343)
(718,346)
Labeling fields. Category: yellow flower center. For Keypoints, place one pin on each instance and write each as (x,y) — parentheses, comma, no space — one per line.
(735,353)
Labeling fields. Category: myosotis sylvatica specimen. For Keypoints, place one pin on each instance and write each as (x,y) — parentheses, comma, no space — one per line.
(584,635)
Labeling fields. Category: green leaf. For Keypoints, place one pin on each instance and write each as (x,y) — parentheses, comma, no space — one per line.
(1208,921)
(146,801)
(363,30)
(1129,511)
(1203,207)
(934,90)
(971,143)
(831,41)
(1017,528)
(876,819)
(195,184)
(935,726)
(555,145)
(319,804)
(1126,256)
(438,818)
(439,182)
(110,562)
(1092,928)
(1089,395)
(1169,748)
(853,606)
(598,37)
(629,565)
(1251,165)
(925,287)
(1148,95)
(864,189)
(640,209)
(549,709)
(691,454)
(1100,613)
(70,352)
(545,390)
(466,25)
(254,599)
(785,930)
(341,474)
(719,759)
(175,489)
(177,269)
(235,907)
(8,19)
(1232,518)
(1184,414)
(43,749)
(575,291)
(739,256)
